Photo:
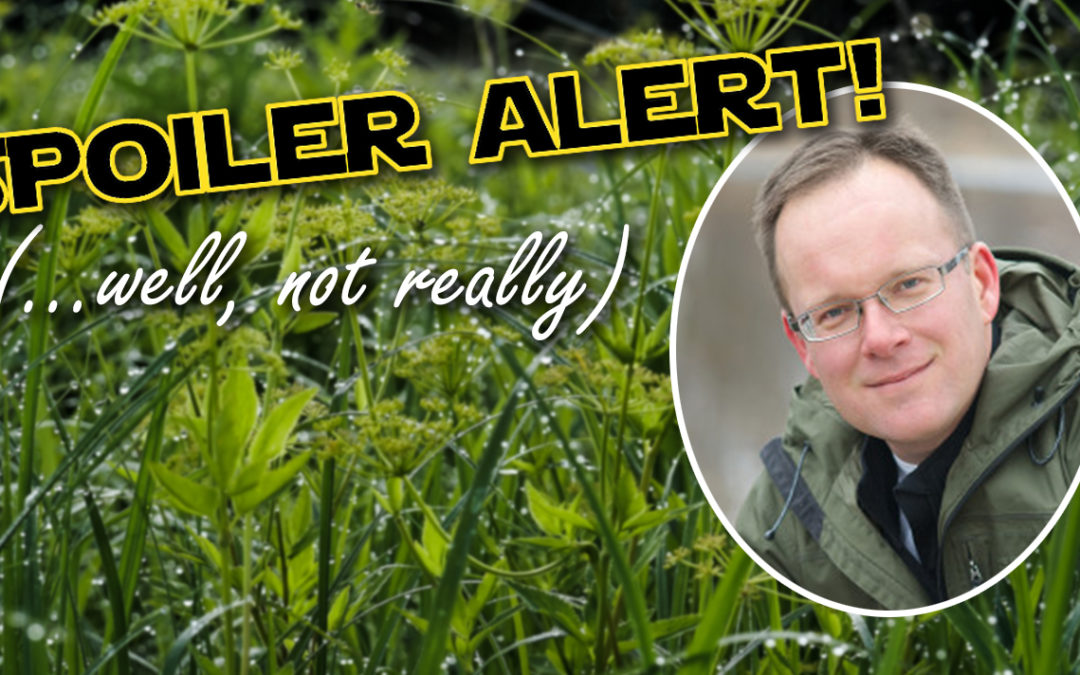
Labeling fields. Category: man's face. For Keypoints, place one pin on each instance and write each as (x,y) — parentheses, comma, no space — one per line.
(905,378)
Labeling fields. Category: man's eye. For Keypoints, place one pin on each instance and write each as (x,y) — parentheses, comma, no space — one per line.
(914,284)
(831,316)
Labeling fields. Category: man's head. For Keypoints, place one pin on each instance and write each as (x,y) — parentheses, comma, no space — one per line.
(843,218)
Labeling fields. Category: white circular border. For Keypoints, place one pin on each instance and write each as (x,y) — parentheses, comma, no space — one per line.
(673,341)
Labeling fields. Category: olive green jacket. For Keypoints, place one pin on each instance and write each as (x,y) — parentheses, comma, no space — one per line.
(1009,477)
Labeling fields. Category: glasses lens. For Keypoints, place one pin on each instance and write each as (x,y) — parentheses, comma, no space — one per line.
(912,289)
(831,320)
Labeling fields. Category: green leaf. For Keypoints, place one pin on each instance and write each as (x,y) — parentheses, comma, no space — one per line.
(186,494)
(238,405)
(552,606)
(175,655)
(228,220)
(480,597)
(212,553)
(259,227)
(271,482)
(614,334)
(112,579)
(435,545)
(196,225)
(290,262)
(670,251)
(664,628)
(718,616)
(628,498)
(551,517)
(275,430)
(299,522)
(169,236)
(891,660)
(306,322)
(633,594)
(447,593)
(337,610)
(542,510)
(646,520)
(656,342)
(978,635)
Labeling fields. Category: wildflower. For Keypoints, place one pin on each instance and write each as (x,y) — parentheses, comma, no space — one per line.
(337,71)
(400,442)
(444,363)
(393,60)
(423,203)
(284,58)
(283,19)
(640,46)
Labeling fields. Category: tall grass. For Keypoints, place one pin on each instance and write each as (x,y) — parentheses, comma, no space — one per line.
(370,489)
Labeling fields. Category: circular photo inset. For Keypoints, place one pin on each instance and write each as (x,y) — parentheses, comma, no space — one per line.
(876,352)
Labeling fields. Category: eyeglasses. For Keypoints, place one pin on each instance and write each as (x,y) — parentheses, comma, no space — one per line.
(899,294)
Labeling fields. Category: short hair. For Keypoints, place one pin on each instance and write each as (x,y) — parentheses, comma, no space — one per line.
(836,153)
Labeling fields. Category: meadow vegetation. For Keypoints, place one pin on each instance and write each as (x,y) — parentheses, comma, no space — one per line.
(369,489)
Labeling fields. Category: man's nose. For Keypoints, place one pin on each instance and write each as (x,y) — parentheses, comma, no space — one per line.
(882,329)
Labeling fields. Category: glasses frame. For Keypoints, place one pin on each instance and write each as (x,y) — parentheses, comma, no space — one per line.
(795,322)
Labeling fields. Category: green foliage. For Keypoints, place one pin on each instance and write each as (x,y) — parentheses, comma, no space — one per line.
(370,488)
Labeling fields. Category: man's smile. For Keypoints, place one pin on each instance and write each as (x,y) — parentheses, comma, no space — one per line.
(899,376)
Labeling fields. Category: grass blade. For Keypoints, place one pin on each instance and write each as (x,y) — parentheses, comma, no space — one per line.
(635,599)
(434,645)
(718,616)
(176,653)
(112,578)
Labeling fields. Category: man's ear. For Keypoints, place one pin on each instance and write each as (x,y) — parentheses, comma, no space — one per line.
(797,341)
(987,283)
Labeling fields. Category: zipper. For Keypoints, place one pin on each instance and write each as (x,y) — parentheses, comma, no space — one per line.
(974,573)
(973,569)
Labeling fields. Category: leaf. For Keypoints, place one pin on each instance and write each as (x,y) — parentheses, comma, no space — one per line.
(656,342)
(718,616)
(542,510)
(187,494)
(476,603)
(114,590)
(337,610)
(176,652)
(275,430)
(664,628)
(548,542)
(169,236)
(614,334)
(271,482)
(548,515)
(978,635)
(238,406)
(259,227)
(435,546)
(290,262)
(210,550)
(551,605)
(447,593)
(299,522)
(196,225)
(306,322)
(646,520)
(628,499)
(228,220)
(670,252)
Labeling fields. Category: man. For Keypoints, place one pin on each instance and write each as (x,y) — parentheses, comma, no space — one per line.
(938,431)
